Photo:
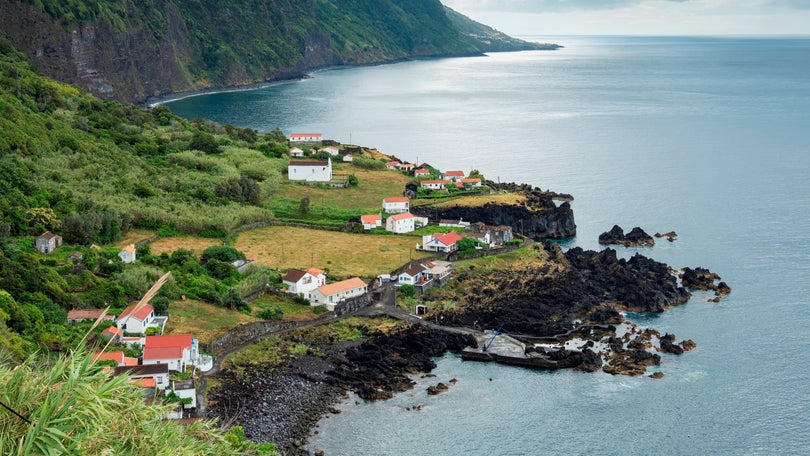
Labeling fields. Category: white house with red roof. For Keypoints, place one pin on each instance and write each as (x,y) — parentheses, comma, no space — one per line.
(471,182)
(393,164)
(440,242)
(404,223)
(47,242)
(136,321)
(371,221)
(127,254)
(310,170)
(306,138)
(421,172)
(332,294)
(434,184)
(158,373)
(407,166)
(331,150)
(453,175)
(177,351)
(113,333)
(304,282)
(296,152)
(396,204)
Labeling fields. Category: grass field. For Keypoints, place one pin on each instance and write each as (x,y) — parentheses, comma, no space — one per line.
(193,243)
(205,321)
(343,254)
(366,197)
(477,200)
(292,311)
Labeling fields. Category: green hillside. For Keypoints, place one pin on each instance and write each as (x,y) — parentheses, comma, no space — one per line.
(129,51)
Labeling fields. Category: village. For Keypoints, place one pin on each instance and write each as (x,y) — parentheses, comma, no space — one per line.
(167,365)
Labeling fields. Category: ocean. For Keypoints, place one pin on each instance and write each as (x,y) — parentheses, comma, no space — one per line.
(709,137)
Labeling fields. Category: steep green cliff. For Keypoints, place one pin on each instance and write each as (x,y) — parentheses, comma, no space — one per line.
(132,50)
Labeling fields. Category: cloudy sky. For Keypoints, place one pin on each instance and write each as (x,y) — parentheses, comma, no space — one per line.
(640,17)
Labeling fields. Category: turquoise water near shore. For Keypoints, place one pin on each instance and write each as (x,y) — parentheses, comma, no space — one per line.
(709,137)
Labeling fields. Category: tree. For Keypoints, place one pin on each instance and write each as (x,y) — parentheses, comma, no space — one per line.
(233,300)
(222,253)
(160,304)
(409,291)
(204,142)
(303,207)
(353,180)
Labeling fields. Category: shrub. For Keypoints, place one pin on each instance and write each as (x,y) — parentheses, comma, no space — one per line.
(222,253)
(409,291)
(319,309)
(271,313)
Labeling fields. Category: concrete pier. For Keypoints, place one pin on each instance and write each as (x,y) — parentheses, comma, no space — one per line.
(506,350)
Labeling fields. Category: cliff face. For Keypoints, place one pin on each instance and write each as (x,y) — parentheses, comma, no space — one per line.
(130,51)
(554,222)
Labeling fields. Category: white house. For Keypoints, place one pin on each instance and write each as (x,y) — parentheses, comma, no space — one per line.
(330,295)
(177,351)
(127,254)
(304,282)
(396,204)
(348,158)
(310,171)
(134,320)
(421,172)
(453,175)
(435,184)
(471,182)
(404,223)
(47,242)
(331,150)
(185,390)
(371,221)
(306,138)
(413,275)
(406,166)
(454,223)
(393,164)
(440,242)
(296,152)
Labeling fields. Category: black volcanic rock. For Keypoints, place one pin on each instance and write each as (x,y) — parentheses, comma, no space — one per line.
(635,238)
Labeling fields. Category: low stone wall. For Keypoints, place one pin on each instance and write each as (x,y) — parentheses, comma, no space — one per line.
(245,333)
(352,304)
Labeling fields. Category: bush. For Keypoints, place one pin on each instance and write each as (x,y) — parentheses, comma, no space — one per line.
(222,253)
(271,313)
(409,291)
(319,309)
(204,142)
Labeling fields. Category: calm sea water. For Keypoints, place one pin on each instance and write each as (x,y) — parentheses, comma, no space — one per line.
(707,137)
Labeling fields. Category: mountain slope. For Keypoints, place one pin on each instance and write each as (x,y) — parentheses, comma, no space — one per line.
(129,51)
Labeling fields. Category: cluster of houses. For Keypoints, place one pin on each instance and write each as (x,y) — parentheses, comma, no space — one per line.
(447,178)
(312,170)
(162,355)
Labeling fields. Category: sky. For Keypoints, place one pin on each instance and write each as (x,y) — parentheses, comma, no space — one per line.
(640,17)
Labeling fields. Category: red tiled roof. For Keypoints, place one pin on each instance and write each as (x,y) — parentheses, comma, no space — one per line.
(315,271)
(340,287)
(141,314)
(370,218)
(162,353)
(392,163)
(47,235)
(442,181)
(304,135)
(454,173)
(471,180)
(130,248)
(402,216)
(449,238)
(406,165)
(112,331)
(396,199)
(117,356)
(130,361)
(145,382)
(421,171)
(179,340)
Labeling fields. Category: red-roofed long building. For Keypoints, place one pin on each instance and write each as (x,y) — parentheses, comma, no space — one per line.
(332,294)
(396,204)
(177,351)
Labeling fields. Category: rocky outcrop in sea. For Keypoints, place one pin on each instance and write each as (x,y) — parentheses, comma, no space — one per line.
(635,238)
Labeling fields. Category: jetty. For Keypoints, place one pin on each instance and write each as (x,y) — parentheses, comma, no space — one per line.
(504,349)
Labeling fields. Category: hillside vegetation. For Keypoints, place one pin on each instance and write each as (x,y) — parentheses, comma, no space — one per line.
(130,51)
